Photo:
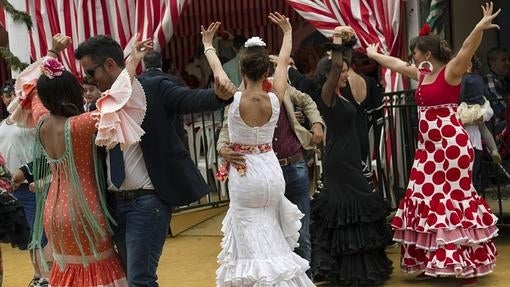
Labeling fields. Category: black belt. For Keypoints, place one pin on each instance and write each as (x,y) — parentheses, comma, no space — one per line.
(127,195)
(291,159)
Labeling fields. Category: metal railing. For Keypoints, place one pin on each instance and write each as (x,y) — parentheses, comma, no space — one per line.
(394,127)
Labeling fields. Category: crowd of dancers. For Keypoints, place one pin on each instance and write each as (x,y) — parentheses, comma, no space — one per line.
(105,180)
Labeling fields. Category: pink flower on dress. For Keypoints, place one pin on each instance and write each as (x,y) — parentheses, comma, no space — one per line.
(52,68)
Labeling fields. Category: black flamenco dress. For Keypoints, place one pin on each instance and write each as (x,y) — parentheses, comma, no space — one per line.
(348,219)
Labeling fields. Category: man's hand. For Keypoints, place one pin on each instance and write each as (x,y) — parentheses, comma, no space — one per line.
(18,177)
(233,157)
(224,88)
(318,133)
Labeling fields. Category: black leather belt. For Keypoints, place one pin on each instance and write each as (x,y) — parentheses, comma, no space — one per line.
(127,195)
(291,159)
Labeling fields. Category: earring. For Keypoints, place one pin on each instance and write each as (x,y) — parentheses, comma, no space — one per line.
(426,67)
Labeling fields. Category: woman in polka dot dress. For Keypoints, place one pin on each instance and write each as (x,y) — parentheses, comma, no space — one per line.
(444,227)
(68,179)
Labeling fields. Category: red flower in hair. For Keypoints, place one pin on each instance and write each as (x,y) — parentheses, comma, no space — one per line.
(425,30)
(52,68)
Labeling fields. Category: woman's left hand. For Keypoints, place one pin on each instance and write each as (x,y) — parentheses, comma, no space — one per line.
(488,16)
(282,21)
(208,34)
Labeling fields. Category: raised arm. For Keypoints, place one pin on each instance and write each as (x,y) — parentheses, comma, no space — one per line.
(392,63)
(210,51)
(223,87)
(280,74)
(138,51)
(457,67)
(337,62)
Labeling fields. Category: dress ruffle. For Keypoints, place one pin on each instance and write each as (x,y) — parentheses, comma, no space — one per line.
(120,110)
(446,237)
(349,240)
(287,270)
(120,113)
(103,273)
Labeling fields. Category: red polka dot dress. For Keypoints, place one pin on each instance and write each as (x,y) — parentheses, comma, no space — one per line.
(444,227)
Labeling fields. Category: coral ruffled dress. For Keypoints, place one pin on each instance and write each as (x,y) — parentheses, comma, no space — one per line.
(71,204)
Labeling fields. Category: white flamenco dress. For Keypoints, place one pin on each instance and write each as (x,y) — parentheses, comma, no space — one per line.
(261,227)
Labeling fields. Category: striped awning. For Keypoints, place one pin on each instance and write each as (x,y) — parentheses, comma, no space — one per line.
(375,21)
(238,17)
(124,20)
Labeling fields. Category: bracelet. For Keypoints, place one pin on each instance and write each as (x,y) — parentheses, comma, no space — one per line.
(209,49)
(51,51)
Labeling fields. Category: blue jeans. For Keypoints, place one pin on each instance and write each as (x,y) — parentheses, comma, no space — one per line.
(296,190)
(142,227)
(27,199)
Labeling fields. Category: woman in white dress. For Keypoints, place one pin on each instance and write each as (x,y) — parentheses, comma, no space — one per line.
(261,226)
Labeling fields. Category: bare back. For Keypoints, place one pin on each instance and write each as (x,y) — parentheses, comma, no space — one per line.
(52,136)
(255,108)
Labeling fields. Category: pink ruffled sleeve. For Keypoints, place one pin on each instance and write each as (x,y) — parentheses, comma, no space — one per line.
(120,112)
(119,115)
(22,110)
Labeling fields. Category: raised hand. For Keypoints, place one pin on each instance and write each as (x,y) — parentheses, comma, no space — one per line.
(60,42)
(141,48)
(372,49)
(281,21)
(488,16)
(344,32)
(208,34)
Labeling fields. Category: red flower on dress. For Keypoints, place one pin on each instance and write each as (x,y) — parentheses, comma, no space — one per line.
(52,68)
(222,173)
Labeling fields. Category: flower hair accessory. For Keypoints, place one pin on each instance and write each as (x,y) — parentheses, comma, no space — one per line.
(254,42)
(52,68)
(425,30)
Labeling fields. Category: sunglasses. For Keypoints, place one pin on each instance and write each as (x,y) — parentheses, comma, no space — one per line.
(91,72)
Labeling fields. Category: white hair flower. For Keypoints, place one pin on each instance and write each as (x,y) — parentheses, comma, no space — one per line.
(254,42)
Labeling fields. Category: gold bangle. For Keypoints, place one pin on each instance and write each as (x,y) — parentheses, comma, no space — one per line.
(209,49)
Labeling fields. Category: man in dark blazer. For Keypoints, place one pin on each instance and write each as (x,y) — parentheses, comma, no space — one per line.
(157,173)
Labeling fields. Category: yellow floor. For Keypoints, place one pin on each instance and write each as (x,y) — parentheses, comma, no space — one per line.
(189,260)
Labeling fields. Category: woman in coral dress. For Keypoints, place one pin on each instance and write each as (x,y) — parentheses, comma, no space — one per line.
(444,227)
(67,173)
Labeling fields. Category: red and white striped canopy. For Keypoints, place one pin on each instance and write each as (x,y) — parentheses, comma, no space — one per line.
(124,20)
(375,21)
(238,17)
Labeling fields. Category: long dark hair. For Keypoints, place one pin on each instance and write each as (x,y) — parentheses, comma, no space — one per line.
(62,96)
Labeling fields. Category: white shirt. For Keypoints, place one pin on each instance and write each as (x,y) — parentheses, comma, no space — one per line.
(475,137)
(16,144)
(137,176)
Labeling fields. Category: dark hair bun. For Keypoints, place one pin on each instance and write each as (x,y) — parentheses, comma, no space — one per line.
(254,62)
